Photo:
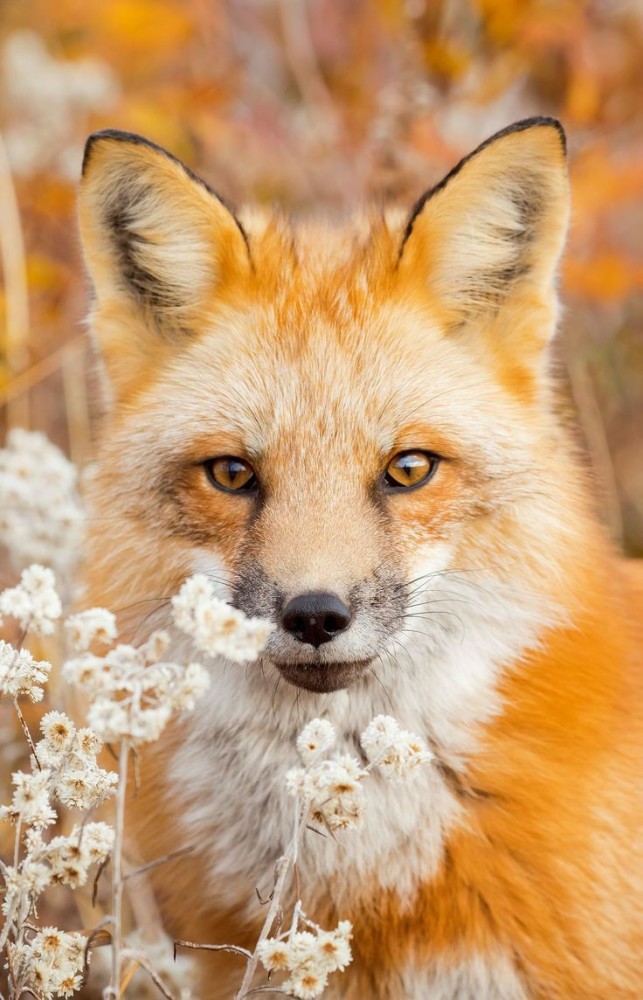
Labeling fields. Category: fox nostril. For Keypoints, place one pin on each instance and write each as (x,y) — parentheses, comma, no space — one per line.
(316,617)
(334,623)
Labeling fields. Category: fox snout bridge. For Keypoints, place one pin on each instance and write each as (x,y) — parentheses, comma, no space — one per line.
(316,617)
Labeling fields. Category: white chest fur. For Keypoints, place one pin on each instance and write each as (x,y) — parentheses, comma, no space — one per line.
(228,775)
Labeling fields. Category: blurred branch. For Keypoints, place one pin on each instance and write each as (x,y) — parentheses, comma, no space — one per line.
(14,269)
(302,59)
(76,406)
(26,380)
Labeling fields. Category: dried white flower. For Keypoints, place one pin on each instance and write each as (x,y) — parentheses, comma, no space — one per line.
(334,946)
(58,731)
(93,625)
(34,603)
(217,628)
(315,738)
(30,804)
(274,954)
(306,984)
(70,858)
(50,964)
(29,879)
(20,674)
(309,958)
(332,789)
(78,782)
(395,751)
(132,695)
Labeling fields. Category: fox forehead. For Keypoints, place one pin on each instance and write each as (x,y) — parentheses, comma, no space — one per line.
(332,354)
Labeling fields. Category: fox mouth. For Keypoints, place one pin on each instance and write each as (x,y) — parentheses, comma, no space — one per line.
(322,677)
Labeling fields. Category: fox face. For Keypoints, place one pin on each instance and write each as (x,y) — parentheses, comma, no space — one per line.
(351,429)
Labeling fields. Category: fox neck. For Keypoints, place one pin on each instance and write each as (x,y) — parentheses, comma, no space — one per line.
(443,686)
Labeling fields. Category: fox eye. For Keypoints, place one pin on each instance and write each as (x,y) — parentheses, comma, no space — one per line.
(410,468)
(233,475)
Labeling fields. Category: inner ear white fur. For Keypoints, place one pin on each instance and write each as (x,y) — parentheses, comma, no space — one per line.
(495,225)
(152,230)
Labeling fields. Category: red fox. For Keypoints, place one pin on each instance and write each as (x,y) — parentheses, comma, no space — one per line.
(354,431)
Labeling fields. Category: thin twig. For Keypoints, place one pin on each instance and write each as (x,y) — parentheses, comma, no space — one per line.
(128,974)
(112,991)
(159,861)
(284,868)
(268,989)
(213,947)
(101,868)
(22,383)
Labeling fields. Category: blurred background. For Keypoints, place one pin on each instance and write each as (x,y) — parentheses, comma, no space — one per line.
(325,104)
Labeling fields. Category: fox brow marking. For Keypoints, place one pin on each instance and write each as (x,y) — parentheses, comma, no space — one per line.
(427,402)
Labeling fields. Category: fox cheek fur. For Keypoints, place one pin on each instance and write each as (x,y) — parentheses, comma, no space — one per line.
(486,608)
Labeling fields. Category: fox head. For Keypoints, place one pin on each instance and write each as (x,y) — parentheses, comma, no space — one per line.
(351,430)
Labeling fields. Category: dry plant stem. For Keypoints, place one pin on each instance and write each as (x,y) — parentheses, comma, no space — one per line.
(112,991)
(14,269)
(4,934)
(25,729)
(284,866)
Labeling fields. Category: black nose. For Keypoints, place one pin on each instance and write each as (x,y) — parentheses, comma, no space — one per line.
(316,617)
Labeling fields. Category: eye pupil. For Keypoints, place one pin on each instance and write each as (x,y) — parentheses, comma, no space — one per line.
(235,469)
(232,475)
(410,468)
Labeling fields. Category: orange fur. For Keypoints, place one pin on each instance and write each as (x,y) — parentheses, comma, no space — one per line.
(317,355)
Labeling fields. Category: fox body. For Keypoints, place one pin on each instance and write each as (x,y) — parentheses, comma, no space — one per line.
(383,394)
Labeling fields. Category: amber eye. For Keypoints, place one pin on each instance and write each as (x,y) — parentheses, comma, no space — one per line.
(410,468)
(231,474)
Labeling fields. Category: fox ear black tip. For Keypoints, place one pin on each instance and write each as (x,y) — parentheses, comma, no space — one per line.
(556,124)
(115,135)
(89,145)
(539,121)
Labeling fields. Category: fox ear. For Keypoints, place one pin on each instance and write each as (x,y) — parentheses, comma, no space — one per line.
(157,241)
(493,230)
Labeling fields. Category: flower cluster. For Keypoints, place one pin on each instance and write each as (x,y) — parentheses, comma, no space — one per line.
(332,789)
(315,738)
(34,603)
(308,956)
(395,751)
(215,627)
(49,965)
(133,691)
(40,517)
(48,962)
(65,768)
(93,625)
(63,860)
(21,674)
